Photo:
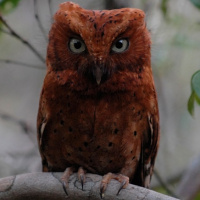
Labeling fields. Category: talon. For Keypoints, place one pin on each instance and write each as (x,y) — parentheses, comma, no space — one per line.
(102,195)
(81,176)
(64,187)
(82,180)
(102,192)
(121,186)
(124,180)
(102,189)
(65,178)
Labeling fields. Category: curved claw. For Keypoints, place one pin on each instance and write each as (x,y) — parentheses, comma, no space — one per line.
(65,187)
(102,189)
(124,180)
(82,180)
(123,183)
(81,176)
(65,178)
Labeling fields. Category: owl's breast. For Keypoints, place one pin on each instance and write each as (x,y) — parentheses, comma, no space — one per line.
(100,133)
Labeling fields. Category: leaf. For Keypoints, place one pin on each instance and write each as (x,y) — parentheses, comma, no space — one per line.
(195,96)
(191,103)
(195,83)
(197,99)
(164,7)
(196,3)
(8,5)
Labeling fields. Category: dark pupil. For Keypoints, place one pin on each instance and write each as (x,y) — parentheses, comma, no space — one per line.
(119,44)
(77,44)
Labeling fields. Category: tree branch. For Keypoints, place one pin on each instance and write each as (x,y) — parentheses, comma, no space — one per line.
(189,185)
(50,9)
(14,34)
(43,186)
(4,31)
(22,123)
(39,20)
(163,184)
(115,4)
(7,61)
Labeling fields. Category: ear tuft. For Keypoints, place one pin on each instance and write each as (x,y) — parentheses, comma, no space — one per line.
(69,6)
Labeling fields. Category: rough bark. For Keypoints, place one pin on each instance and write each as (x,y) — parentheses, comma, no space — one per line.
(42,186)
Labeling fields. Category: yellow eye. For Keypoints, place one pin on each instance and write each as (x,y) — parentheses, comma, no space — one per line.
(76,45)
(120,46)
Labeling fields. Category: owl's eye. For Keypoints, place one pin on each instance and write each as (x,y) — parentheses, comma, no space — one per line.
(120,46)
(76,45)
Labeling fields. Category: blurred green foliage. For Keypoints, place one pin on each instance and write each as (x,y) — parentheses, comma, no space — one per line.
(161,190)
(196,3)
(195,80)
(8,5)
(197,197)
(164,7)
(195,95)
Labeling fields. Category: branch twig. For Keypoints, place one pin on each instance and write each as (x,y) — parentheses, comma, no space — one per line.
(39,20)
(189,185)
(25,127)
(50,9)
(163,184)
(4,31)
(7,61)
(25,42)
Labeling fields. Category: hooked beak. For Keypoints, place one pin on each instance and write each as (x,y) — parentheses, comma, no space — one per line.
(98,72)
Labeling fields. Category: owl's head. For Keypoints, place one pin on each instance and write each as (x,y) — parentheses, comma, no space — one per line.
(98,45)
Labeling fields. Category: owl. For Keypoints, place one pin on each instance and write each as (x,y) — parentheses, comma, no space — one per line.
(98,109)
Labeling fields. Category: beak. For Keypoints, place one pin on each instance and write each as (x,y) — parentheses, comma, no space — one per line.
(98,72)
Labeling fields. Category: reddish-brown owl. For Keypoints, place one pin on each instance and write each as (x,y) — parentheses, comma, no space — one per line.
(98,108)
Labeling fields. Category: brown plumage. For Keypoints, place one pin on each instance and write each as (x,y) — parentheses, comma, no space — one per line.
(98,107)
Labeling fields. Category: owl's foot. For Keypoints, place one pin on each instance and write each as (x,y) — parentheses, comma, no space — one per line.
(65,177)
(68,172)
(124,180)
(81,176)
